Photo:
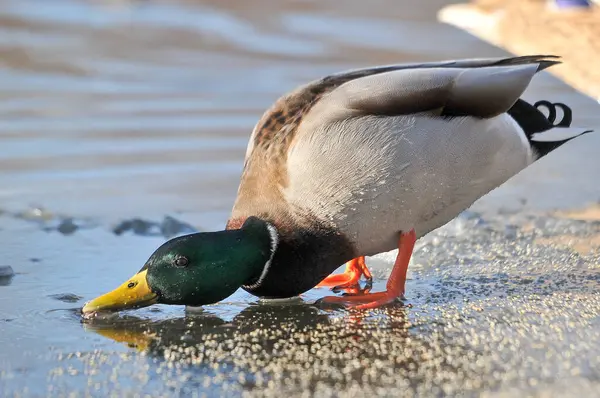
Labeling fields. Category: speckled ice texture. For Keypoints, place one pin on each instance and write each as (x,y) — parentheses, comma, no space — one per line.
(496,306)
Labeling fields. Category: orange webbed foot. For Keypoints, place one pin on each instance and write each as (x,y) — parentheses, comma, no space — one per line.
(355,268)
(395,284)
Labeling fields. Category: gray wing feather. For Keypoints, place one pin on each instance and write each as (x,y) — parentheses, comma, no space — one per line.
(481,92)
(542,61)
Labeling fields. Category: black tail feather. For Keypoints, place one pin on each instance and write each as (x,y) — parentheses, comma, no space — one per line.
(551,107)
(533,121)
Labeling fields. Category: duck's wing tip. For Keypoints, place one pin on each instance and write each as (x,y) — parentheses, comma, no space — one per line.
(545,64)
(544,61)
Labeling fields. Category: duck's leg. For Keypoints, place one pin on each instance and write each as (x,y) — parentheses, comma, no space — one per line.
(395,283)
(355,268)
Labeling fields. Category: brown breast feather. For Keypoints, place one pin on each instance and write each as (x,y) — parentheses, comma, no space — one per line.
(265,171)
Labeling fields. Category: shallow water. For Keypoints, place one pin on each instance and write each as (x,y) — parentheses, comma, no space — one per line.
(112,111)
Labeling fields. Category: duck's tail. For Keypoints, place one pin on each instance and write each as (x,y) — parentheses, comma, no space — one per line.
(543,132)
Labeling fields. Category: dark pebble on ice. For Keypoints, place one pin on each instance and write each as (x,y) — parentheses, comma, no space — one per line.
(138,227)
(50,222)
(67,226)
(167,228)
(6,274)
(6,271)
(66,297)
(171,227)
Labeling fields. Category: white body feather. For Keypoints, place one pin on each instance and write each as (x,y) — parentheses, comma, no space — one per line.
(405,172)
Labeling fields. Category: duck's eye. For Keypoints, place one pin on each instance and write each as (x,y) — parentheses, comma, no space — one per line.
(131,285)
(181,261)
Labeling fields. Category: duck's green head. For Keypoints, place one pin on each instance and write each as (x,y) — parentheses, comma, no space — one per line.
(196,269)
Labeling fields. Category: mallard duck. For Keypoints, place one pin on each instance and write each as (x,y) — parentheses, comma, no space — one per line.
(352,165)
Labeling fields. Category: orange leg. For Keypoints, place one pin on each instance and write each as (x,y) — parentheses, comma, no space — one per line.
(395,284)
(355,268)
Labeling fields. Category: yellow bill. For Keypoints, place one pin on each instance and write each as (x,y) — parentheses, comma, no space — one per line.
(134,293)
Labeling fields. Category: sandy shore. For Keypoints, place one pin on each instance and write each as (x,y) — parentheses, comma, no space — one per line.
(532,27)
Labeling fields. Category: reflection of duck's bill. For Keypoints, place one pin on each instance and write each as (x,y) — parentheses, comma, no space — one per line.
(134,293)
(133,338)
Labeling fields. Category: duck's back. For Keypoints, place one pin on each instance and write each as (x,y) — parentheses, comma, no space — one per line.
(377,151)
